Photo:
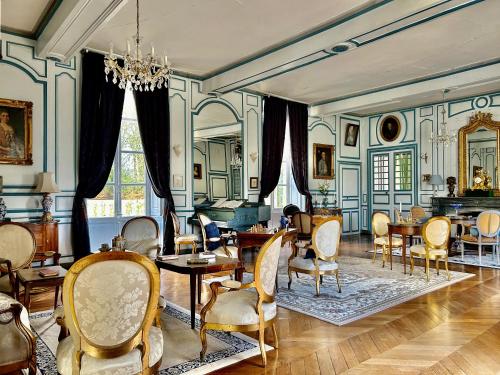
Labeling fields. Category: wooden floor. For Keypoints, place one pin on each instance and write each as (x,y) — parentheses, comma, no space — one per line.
(454,330)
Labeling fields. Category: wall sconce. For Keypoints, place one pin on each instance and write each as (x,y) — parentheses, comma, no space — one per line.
(424,157)
(426,177)
(254,155)
(177,149)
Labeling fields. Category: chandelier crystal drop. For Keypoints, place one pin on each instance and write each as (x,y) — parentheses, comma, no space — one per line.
(138,72)
(444,136)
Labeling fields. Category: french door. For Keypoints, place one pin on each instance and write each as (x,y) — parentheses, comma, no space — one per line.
(392,180)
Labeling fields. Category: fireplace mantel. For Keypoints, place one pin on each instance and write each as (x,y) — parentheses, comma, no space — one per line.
(469,205)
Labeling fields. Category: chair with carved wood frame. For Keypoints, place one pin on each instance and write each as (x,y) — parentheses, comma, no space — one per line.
(182,239)
(17,250)
(303,222)
(142,235)
(224,250)
(380,231)
(110,303)
(242,310)
(17,346)
(325,244)
(436,234)
(488,228)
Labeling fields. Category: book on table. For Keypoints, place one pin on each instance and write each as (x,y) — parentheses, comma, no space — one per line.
(47,272)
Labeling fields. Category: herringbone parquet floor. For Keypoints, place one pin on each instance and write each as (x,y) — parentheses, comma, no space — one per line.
(454,330)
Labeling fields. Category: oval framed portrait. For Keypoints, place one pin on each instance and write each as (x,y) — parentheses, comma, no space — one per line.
(390,127)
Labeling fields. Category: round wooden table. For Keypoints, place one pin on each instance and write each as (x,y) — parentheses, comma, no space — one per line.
(405,230)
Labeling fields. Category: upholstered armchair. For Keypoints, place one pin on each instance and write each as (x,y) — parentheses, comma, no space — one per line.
(110,303)
(302,221)
(488,234)
(380,230)
(182,239)
(436,233)
(417,212)
(242,309)
(142,236)
(325,244)
(216,243)
(17,250)
(17,343)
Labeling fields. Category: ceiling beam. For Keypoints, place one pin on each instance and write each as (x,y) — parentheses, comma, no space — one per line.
(72,26)
(372,22)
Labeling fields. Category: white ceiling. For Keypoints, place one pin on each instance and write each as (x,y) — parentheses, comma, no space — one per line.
(23,16)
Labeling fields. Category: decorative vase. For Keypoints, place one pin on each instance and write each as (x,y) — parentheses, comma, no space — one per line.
(451,190)
(3,209)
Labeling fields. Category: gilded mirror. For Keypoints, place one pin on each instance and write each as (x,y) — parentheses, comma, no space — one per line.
(478,153)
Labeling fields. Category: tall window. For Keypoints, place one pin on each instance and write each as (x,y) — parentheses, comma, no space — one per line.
(127,189)
(402,171)
(381,172)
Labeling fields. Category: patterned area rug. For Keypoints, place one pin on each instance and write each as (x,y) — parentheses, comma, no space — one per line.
(181,345)
(469,259)
(367,288)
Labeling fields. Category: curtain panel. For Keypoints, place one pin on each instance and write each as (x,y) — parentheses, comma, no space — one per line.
(101,113)
(297,117)
(273,140)
(153,114)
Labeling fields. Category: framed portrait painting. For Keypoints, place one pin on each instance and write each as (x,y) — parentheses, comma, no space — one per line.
(323,161)
(15,132)
(390,127)
(197,171)
(351,135)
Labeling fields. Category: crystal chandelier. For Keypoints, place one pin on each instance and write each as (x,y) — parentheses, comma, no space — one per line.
(443,136)
(141,73)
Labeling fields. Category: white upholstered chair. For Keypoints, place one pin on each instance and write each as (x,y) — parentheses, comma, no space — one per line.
(110,303)
(488,228)
(223,250)
(325,244)
(17,249)
(17,343)
(142,236)
(242,309)
(182,239)
(380,230)
(436,234)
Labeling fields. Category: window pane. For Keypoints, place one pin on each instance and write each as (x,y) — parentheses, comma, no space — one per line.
(133,200)
(104,204)
(130,136)
(133,171)
(280,196)
(111,177)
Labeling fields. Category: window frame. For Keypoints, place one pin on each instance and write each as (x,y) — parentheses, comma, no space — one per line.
(409,156)
(385,185)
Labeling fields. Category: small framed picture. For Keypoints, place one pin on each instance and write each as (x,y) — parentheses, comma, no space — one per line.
(390,128)
(323,161)
(178,181)
(351,135)
(254,182)
(197,171)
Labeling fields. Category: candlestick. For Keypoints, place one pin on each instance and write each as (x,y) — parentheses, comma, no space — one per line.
(400,207)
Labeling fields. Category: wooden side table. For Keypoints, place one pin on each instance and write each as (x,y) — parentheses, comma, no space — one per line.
(405,230)
(30,279)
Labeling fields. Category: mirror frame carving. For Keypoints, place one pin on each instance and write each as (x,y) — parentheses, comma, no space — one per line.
(479,119)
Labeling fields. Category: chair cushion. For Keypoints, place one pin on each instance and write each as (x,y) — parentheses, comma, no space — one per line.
(186,238)
(396,241)
(6,301)
(212,231)
(472,239)
(303,243)
(420,250)
(219,251)
(238,308)
(5,285)
(129,363)
(308,264)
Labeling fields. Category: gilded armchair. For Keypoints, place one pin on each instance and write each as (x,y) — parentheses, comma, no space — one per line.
(182,239)
(17,343)
(17,250)
(242,309)
(435,233)
(223,249)
(380,230)
(110,303)
(325,244)
(488,228)
(142,236)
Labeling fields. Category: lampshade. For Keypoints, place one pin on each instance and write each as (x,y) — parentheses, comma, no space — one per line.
(46,183)
(436,180)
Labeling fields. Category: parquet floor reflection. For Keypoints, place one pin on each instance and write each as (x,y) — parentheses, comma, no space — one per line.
(454,330)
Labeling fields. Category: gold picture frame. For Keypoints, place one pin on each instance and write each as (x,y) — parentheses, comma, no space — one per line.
(323,161)
(16,130)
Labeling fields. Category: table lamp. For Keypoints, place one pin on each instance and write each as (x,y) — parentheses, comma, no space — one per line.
(46,185)
(435,181)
